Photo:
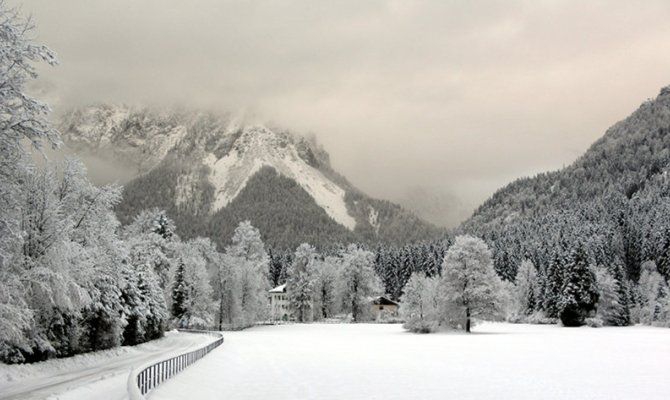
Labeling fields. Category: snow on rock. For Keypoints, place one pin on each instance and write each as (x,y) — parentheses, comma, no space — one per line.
(233,148)
(123,132)
(259,146)
(369,361)
(373,219)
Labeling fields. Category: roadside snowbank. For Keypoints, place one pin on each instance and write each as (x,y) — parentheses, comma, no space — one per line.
(103,373)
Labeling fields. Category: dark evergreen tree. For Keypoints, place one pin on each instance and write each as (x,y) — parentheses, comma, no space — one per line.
(622,317)
(164,226)
(579,295)
(553,284)
(180,294)
(663,258)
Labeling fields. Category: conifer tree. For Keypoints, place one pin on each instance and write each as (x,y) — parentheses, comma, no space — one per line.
(553,285)
(180,294)
(526,288)
(579,295)
(653,296)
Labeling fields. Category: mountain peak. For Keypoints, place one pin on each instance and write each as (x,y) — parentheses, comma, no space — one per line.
(257,146)
(210,171)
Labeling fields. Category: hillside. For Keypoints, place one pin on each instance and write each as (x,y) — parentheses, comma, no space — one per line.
(210,171)
(614,200)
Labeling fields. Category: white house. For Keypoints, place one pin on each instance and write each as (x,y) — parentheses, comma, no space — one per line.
(279,303)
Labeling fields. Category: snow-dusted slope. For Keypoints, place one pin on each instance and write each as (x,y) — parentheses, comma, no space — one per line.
(209,171)
(259,146)
(233,151)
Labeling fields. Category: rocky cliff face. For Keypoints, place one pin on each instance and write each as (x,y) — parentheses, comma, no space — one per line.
(196,165)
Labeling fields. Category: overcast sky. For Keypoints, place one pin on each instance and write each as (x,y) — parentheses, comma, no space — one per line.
(454,97)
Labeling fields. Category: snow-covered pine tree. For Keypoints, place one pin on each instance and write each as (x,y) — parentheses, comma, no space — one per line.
(300,282)
(471,288)
(527,289)
(663,259)
(358,282)
(180,294)
(609,307)
(580,292)
(553,284)
(154,315)
(617,311)
(163,226)
(152,220)
(191,304)
(653,295)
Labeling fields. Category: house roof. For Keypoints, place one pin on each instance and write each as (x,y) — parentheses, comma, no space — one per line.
(279,289)
(384,301)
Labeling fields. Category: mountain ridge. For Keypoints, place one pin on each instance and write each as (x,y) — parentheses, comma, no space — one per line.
(614,200)
(208,160)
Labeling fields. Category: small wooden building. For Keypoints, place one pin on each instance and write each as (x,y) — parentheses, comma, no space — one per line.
(383,305)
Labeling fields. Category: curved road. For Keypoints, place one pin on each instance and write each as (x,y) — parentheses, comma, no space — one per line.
(98,370)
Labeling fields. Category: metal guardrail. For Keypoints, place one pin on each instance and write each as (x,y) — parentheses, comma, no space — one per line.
(148,376)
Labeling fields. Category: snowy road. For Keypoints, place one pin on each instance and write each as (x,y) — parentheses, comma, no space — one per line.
(101,375)
(382,362)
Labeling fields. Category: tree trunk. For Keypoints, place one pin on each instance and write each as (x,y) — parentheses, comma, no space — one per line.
(324,311)
(353,311)
(221,313)
(467,319)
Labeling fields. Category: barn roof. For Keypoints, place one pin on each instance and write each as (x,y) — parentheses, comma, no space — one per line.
(384,301)
(279,289)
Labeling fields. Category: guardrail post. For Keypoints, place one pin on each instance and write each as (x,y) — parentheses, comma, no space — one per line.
(147,378)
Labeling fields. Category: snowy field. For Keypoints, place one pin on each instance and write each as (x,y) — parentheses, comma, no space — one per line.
(498,361)
(100,375)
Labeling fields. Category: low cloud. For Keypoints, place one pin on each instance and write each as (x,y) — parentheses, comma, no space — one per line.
(456,96)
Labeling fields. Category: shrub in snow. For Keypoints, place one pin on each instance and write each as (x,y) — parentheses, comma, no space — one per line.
(420,304)
(594,322)
(470,286)
(540,318)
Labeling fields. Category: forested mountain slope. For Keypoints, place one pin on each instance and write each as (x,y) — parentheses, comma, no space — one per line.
(614,200)
(211,171)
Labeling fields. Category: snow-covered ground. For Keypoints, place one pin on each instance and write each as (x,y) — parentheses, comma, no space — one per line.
(498,361)
(100,375)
